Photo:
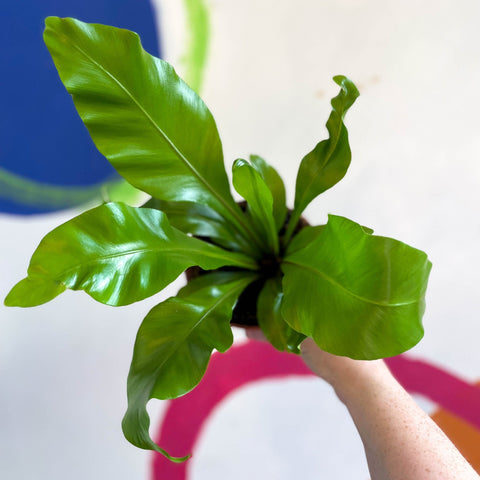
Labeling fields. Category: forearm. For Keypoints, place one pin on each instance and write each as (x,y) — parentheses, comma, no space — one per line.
(401,441)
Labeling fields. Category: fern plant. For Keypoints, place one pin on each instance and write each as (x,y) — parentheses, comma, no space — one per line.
(354,293)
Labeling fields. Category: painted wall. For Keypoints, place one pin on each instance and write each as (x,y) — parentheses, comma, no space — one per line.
(415,175)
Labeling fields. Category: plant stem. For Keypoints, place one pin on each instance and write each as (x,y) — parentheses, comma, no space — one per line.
(292,223)
(249,234)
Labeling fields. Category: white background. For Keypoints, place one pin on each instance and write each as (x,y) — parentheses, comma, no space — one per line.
(415,176)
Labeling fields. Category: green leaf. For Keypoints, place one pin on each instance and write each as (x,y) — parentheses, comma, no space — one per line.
(34,291)
(201,221)
(328,162)
(309,234)
(153,128)
(251,186)
(118,255)
(174,345)
(304,238)
(271,321)
(357,295)
(276,186)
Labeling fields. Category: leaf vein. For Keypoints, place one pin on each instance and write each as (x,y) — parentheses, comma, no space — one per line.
(349,292)
(182,157)
(98,260)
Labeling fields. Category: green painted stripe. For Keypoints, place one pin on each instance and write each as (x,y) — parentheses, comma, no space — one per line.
(27,192)
(198,26)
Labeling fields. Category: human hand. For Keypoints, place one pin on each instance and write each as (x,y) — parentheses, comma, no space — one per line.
(344,374)
(401,442)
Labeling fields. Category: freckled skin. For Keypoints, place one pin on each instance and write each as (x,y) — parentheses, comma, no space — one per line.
(401,441)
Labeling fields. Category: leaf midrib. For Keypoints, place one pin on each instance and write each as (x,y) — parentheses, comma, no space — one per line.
(241,285)
(262,208)
(349,292)
(182,157)
(136,251)
(331,150)
(151,120)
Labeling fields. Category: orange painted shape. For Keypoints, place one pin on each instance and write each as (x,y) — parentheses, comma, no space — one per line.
(465,437)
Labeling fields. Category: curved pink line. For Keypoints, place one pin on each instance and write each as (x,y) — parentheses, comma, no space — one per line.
(254,361)
(185,416)
(448,391)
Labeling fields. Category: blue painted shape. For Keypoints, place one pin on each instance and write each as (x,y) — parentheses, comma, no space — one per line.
(42,137)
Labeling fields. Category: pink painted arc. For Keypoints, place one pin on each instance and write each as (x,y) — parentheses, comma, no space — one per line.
(443,388)
(185,416)
(254,361)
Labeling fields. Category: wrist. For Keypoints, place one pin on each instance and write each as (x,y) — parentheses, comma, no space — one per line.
(359,379)
(348,377)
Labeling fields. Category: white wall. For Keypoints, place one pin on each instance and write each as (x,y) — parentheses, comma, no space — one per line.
(415,176)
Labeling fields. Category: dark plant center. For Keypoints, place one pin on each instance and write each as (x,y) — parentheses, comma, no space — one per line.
(245,311)
(270,266)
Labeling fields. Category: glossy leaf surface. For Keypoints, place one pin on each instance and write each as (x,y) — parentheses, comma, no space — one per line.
(304,238)
(201,221)
(174,345)
(308,235)
(271,321)
(33,291)
(276,186)
(328,162)
(118,255)
(154,129)
(251,186)
(357,295)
